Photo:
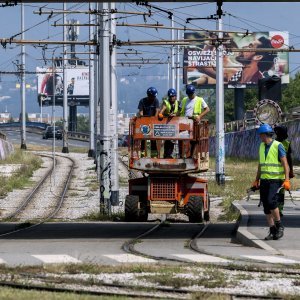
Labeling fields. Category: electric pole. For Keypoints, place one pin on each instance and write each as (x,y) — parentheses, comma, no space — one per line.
(114,200)
(23,86)
(65,148)
(172,83)
(91,88)
(220,137)
(104,97)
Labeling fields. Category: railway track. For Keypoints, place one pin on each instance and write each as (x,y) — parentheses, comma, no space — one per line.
(234,263)
(37,207)
(40,282)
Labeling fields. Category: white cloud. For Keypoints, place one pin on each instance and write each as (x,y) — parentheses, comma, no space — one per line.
(4,98)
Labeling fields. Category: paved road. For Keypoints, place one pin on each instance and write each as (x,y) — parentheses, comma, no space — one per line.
(102,243)
(289,245)
(36,139)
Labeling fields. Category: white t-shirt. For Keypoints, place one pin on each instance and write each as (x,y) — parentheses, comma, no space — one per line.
(189,108)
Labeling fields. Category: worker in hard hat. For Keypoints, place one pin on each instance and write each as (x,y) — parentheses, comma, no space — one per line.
(149,106)
(170,108)
(282,137)
(272,174)
(193,106)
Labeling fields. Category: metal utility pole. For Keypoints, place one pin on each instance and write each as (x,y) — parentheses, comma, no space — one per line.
(114,199)
(91,88)
(23,87)
(104,97)
(65,148)
(172,55)
(96,94)
(220,136)
(178,68)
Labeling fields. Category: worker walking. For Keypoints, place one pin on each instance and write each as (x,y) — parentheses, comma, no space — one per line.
(281,136)
(272,174)
(170,108)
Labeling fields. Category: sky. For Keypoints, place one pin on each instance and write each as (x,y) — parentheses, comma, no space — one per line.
(134,81)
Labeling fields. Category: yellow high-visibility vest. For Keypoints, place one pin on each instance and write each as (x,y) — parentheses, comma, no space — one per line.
(286,145)
(270,167)
(168,107)
(197,107)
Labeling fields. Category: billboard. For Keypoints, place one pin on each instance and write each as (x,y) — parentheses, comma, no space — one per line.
(77,81)
(241,68)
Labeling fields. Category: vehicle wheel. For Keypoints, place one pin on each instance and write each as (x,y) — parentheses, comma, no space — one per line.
(206,213)
(143,211)
(131,208)
(194,209)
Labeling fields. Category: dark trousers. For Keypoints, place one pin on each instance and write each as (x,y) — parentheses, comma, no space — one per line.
(268,194)
(169,147)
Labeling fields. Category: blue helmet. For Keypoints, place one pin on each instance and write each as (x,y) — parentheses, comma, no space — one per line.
(265,128)
(152,91)
(172,92)
(190,89)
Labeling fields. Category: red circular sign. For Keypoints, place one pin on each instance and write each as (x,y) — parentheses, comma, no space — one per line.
(277,41)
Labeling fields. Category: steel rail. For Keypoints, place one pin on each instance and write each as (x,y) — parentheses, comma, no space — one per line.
(32,193)
(57,206)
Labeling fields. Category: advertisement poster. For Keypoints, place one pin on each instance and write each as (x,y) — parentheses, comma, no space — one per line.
(77,81)
(240,67)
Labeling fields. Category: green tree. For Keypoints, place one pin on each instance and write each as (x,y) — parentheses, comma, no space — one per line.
(83,124)
(291,94)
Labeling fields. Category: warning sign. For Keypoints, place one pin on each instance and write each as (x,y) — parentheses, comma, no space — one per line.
(164,130)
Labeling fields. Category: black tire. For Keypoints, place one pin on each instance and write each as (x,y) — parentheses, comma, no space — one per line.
(143,212)
(131,208)
(206,213)
(194,209)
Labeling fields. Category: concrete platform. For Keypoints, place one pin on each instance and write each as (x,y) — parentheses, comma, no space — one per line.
(253,227)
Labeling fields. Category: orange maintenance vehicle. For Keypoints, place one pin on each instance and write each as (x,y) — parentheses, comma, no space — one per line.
(169,185)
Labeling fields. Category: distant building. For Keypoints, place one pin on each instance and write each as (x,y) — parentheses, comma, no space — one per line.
(5,117)
(37,117)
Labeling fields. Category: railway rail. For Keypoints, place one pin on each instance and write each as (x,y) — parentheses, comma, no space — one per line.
(33,196)
(54,285)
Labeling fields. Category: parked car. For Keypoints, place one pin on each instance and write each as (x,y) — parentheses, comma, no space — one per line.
(49,133)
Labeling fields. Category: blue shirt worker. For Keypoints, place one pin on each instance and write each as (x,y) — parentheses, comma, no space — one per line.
(272,174)
(149,106)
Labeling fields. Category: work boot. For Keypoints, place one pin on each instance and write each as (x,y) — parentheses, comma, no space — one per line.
(279,231)
(271,234)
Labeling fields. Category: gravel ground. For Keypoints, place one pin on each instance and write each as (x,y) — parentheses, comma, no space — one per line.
(83,196)
(14,199)
(237,282)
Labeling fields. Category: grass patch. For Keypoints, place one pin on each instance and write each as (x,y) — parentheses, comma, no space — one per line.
(123,181)
(13,294)
(21,177)
(97,216)
(242,173)
(209,296)
(93,269)
(78,149)
(210,278)
(73,194)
